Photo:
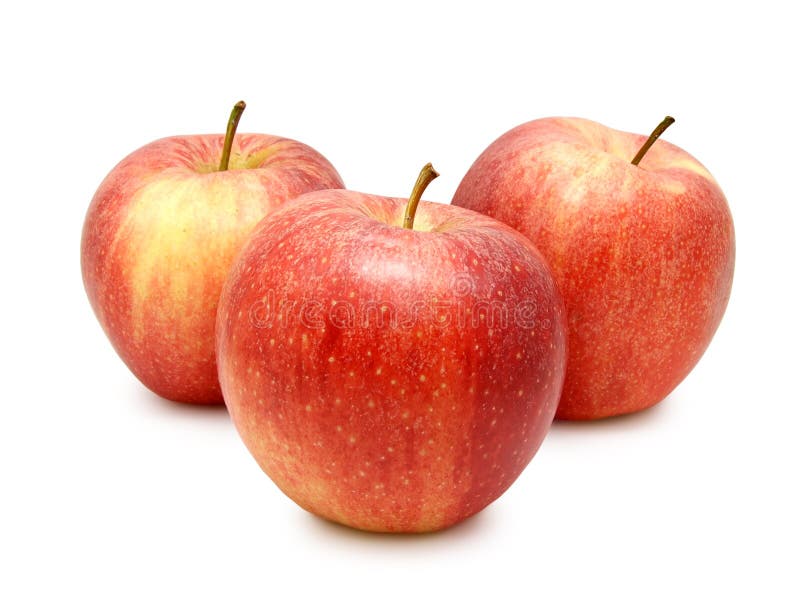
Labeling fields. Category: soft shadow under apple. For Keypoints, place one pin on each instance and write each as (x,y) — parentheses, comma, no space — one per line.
(470,528)
(180,409)
(632,421)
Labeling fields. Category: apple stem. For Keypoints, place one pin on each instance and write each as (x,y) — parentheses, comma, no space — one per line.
(426,175)
(233,123)
(662,127)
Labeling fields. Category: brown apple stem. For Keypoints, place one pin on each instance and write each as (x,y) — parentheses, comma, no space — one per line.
(427,175)
(662,127)
(233,123)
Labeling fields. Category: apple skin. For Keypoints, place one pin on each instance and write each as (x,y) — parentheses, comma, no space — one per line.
(412,421)
(158,240)
(643,255)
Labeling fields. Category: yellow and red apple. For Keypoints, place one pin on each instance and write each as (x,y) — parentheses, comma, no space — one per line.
(161,233)
(643,253)
(390,370)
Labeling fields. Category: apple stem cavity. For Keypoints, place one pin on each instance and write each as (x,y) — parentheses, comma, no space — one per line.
(426,175)
(233,123)
(662,127)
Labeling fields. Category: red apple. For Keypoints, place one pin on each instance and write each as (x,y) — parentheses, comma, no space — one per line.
(643,253)
(159,238)
(390,373)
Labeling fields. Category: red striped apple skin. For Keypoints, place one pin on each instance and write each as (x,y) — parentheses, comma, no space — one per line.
(158,240)
(405,422)
(643,255)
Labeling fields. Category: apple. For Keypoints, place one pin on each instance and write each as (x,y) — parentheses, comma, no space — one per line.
(160,235)
(643,252)
(390,370)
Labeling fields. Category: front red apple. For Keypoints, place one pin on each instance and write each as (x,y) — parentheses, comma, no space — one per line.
(159,238)
(386,378)
(643,254)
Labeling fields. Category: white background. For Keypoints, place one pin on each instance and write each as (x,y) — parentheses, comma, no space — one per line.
(108,491)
